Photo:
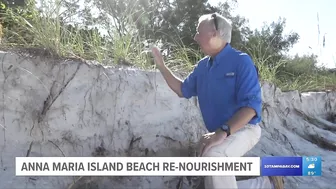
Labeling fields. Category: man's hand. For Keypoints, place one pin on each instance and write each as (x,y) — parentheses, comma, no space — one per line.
(173,82)
(158,59)
(210,140)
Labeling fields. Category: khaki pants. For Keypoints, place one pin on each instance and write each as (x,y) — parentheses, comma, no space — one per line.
(236,145)
(262,182)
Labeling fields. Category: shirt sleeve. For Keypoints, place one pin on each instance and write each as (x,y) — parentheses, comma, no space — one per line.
(248,86)
(189,85)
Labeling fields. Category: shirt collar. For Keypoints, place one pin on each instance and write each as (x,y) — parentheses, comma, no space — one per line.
(221,54)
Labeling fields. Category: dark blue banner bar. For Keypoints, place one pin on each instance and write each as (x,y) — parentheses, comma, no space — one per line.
(291,166)
(281,166)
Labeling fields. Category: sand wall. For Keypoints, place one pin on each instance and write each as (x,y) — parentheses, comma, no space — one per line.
(52,107)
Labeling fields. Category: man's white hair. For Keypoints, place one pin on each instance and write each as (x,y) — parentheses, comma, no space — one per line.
(224,25)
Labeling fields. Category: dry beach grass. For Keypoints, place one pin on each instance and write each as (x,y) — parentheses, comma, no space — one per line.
(47,34)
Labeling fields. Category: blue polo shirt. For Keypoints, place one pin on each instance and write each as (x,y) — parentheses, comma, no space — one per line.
(223,85)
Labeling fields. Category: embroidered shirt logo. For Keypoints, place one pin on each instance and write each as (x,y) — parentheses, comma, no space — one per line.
(230,74)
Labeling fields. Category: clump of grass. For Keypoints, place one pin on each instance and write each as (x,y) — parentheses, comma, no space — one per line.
(129,48)
(184,59)
(268,72)
(299,73)
(1,33)
(305,82)
(262,58)
(46,29)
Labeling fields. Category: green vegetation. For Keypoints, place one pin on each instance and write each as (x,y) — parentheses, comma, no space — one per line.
(69,28)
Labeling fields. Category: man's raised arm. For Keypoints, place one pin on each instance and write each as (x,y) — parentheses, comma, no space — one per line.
(186,88)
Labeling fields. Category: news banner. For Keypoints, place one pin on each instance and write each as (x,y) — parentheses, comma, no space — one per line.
(168,166)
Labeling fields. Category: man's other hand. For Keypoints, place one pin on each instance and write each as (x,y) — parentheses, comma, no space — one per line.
(210,140)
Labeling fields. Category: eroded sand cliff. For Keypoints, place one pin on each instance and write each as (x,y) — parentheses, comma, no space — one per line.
(68,108)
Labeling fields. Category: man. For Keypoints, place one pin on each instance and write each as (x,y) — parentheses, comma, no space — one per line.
(226,84)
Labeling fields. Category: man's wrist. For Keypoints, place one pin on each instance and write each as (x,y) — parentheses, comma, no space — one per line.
(221,132)
(226,128)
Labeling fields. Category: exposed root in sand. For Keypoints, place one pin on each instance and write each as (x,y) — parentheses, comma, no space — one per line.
(53,95)
(84,183)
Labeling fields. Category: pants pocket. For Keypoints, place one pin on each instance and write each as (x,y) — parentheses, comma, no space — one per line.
(255,135)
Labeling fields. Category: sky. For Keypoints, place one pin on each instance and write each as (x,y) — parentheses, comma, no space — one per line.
(301,17)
